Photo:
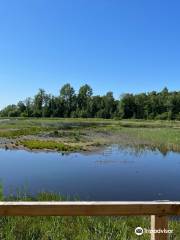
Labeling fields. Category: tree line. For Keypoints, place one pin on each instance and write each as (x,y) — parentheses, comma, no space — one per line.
(153,105)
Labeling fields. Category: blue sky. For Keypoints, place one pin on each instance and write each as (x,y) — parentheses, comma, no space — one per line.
(118,45)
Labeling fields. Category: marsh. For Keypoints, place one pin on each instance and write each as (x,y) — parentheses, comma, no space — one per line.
(114,173)
(91,159)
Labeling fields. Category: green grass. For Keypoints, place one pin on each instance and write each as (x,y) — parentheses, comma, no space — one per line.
(20,132)
(78,228)
(164,135)
(149,123)
(166,139)
(71,228)
(50,145)
(73,134)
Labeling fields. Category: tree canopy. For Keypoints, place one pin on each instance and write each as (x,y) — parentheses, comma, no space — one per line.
(162,105)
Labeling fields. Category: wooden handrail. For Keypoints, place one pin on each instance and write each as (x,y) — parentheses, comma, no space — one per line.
(159,211)
(88,208)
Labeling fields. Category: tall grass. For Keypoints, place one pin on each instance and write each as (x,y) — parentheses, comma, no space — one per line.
(164,139)
(70,228)
(80,228)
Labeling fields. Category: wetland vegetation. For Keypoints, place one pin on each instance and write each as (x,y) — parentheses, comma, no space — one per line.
(79,123)
(20,228)
(51,228)
(62,172)
(88,134)
(82,121)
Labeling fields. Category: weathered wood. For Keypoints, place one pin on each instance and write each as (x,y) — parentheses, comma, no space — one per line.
(89,208)
(159,223)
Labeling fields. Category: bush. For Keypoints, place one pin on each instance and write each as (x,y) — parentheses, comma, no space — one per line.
(14,113)
(24,114)
(163,116)
(178,116)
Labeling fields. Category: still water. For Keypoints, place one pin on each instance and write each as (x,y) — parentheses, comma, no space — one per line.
(113,174)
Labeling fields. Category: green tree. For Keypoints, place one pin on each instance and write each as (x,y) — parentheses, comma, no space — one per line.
(127,106)
(68,97)
(39,101)
(29,107)
(84,101)
(109,105)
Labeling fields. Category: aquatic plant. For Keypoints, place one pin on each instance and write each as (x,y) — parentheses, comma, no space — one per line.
(49,145)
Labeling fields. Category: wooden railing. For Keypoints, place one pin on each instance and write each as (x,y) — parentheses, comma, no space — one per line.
(159,211)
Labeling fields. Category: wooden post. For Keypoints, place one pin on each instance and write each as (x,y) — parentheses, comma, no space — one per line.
(159,223)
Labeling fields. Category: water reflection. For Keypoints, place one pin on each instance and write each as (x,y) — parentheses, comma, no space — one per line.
(139,149)
(114,173)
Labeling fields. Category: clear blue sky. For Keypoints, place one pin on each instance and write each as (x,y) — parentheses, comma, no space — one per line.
(118,45)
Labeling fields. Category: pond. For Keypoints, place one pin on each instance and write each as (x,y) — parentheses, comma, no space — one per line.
(114,173)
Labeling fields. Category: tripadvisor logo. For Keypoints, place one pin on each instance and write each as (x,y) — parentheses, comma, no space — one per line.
(139,231)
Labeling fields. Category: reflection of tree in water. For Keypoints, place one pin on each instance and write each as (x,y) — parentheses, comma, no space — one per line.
(139,149)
